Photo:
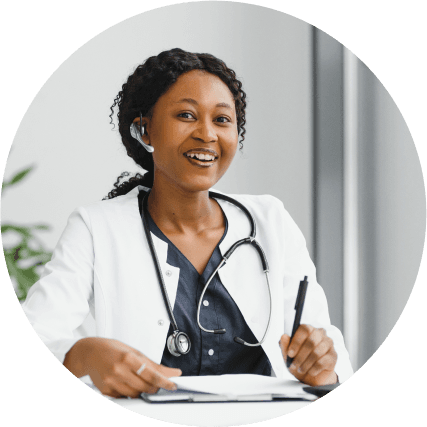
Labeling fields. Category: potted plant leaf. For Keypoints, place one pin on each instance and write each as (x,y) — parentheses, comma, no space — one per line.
(26,254)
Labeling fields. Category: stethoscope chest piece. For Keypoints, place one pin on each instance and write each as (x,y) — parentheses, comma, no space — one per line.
(178,343)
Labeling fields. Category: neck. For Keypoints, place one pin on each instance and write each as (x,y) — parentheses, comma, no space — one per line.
(178,210)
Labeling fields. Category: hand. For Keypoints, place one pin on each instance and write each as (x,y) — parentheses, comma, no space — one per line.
(314,355)
(113,368)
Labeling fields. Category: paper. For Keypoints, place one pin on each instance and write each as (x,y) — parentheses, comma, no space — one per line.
(240,385)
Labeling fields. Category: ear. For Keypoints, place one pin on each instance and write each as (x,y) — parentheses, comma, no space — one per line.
(145,123)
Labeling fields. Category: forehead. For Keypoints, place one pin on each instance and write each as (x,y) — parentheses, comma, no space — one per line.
(200,85)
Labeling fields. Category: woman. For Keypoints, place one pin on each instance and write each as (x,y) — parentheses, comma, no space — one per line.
(180,116)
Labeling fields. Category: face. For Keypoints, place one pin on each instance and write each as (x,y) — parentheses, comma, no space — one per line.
(193,130)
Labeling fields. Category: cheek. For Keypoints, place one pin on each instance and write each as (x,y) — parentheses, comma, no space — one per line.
(232,147)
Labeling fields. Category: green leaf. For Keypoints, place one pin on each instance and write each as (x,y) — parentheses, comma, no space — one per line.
(25,278)
(41,227)
(22,230)
(20,175)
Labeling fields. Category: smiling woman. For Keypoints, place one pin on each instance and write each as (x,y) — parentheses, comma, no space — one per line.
(180,115)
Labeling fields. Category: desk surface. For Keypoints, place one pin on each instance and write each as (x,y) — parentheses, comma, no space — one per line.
(211,414)
(207,414)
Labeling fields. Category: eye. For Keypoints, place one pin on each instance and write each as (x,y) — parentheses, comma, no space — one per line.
(186,115)
(223,119)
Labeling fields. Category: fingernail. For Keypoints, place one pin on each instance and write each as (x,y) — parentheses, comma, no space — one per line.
(174,387)
(291,353)
(300,369)
(292,367)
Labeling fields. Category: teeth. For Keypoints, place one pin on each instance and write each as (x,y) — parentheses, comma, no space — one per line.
(201,156)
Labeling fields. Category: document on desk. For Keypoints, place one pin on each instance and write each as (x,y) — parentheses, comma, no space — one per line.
(240,385)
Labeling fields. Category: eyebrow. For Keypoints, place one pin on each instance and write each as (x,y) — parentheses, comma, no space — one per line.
(193,101)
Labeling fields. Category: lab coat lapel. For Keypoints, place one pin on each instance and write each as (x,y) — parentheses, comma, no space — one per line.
(169,272)
(152,312)
(242,275)
(244,279)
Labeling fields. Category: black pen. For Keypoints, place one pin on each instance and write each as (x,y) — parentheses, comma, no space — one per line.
(299,304)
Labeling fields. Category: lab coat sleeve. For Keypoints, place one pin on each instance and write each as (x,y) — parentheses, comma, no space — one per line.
(298,264)
(59,302)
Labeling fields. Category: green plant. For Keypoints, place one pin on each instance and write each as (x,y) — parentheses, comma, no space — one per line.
(27,253)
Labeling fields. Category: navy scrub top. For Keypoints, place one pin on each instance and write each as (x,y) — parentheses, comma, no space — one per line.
(210,354)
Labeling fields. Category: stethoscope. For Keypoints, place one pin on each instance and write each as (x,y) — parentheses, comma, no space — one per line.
(179,342)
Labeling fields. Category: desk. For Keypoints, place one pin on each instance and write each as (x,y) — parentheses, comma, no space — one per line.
(211,414)
(206,414)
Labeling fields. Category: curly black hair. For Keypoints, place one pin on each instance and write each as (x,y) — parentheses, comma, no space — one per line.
(144,87)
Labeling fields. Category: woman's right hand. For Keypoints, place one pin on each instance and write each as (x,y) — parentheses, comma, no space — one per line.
(113,368)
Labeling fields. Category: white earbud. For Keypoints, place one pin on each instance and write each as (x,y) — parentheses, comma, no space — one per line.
(137,134)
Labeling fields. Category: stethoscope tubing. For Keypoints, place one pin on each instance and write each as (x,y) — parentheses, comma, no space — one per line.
(248,240)
(157,264)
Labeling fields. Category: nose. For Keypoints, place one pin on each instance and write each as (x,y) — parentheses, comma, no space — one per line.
(205,131)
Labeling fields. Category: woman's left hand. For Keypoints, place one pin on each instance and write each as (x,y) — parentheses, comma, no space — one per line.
(314,355)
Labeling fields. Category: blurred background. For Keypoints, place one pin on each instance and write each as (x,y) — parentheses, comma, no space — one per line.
(323,135)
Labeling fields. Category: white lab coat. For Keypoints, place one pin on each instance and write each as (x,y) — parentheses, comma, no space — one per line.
(102,265)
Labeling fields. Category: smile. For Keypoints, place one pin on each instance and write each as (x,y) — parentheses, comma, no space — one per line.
(201,159)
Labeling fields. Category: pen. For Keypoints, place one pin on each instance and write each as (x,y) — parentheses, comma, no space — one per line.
(299,304)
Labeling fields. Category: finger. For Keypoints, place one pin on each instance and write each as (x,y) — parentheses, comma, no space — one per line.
(115,387)
(142,380)
(166,371)
(298,339)
(306,349)
(123,389)
(325,363)
(137,383)
(144,388)
(147,370)
(153,377)
(141,384)
(284,344)
(318,352)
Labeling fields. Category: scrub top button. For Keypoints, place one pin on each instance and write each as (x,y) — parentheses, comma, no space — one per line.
(168,273)
(210,352)
(205,303)
(160,322)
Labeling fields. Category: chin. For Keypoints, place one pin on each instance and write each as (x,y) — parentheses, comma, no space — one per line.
(197,184)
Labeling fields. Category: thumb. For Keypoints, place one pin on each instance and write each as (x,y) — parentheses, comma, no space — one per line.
(169,372)
(284,344)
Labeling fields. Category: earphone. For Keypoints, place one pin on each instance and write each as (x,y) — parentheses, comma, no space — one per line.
(137,134)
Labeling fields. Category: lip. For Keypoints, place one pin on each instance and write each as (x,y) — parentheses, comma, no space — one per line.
(202,150)
(199,163)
